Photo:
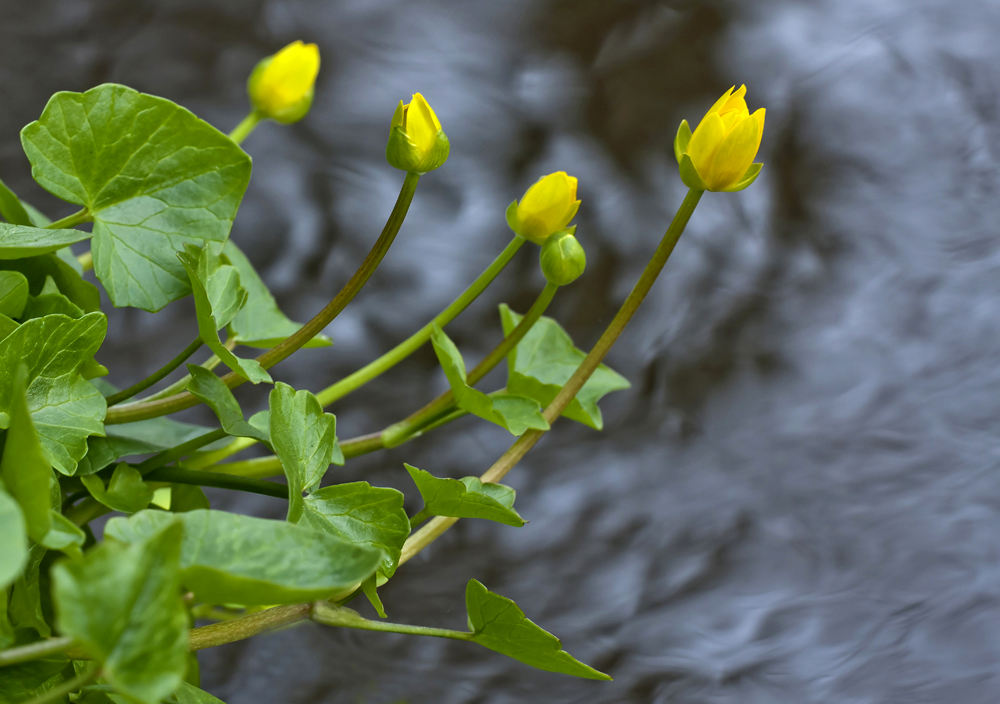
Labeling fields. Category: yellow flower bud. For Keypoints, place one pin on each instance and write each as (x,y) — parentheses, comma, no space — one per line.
(719,155)
(547,207)
(281,86)
(417,143)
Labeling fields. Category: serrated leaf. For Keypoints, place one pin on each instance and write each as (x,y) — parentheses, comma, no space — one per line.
(260,323)
(50,269)
(140,438)
(227,558)
(27,474)
(304,439)
(21,241)
(65,407)
(14,546)
(122,604)
(545,360)
(13,293)
(209,388)
(514,413)
(11,208)
(214,282)
(466,498)
(151,174)
(498,624)
(126,492)
(362,514)
(29,680)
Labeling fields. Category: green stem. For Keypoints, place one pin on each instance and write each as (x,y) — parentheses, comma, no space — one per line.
(185,448)
(244,129)
(404,349)
(172,404)
(330,615)
(419,518)
(180,475)
(437,412)
(59,693)
(246,626)
(86,511)
(33,651)
(176,387)
(77,218)
(86,260)
(435,528)
(157,375)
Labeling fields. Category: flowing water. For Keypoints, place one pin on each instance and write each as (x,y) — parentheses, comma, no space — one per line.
(799,499)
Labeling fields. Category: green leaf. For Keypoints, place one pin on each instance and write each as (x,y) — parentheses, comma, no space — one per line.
(189,694)
(7,326)
(216,284)
(28,680)
(217,396)
(14,546)
(122,604)
(11,208)
(151,174)
(515,413)
(498,624)
(140,438)
(64,535)
(466,498)
(26,473)
(21,242)
(64,406)
(126,492)
(187,497)
(51,304)
(370,589)
(227,558)
(305,441)
(260,323)
(545,360)
(13,293)
(51,269)
(25,608)
(361,514)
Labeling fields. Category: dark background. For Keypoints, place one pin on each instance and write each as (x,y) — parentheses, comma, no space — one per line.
(799,499)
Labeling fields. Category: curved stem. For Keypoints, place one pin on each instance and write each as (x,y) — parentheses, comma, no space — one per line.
(176,387)
(330,615)
(77,218)
(180,475)
(404,349)
(157,375)
(33,651)
(436,527)
(243,130)
(185,448)
(434,413)
(246,626)
(178,402)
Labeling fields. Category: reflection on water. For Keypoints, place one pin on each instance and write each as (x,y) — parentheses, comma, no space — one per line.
(798,499)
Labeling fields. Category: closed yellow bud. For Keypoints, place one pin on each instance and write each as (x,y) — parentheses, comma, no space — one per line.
(719,155)
(547,207)
(417,143)
(281,86)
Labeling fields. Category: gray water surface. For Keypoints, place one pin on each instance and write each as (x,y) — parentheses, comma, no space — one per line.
(799,499)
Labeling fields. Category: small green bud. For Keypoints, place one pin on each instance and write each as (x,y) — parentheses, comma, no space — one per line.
(563,258)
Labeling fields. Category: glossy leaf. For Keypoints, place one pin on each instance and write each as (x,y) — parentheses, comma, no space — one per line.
(260,323)
(21,242)
(361,514)
(29,680)
(140,438)
(514,413)
(13,293)
(122,604)
(227,558)
(217,396)
(216,284)
(51,304)
(126,492)
(466,498)
(151,174)
(545,360)
(27,474)
(50,269)
(498,624)
(304,439)
(7,326)
(14,546)
(65,408)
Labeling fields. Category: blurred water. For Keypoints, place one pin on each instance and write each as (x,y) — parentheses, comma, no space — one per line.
(798,500)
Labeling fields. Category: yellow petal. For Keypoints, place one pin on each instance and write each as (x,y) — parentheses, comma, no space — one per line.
(421,123)
(759,117)
(705,142)
(572,187)
(548,206)
(719,103)
(734,155)
(736,101)
(290,75)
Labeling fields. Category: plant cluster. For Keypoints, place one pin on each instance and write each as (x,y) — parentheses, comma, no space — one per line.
(83,620)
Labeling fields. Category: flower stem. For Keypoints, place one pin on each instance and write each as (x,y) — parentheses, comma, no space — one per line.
(180,475)
(247,626)
(77,218)
(157,375)
(33,651)
(243,130)
(331,615)
(178,402)
(436,527)
(185,448)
